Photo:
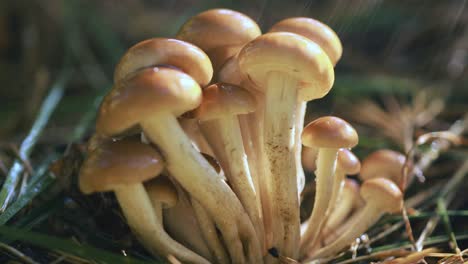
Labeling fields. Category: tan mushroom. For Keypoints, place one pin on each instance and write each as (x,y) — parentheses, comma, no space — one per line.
(381,196)
(327,39)
(347,164)
(328,134)
(165,52)
(218,114)
(288,68)
(154,98)
(221,33)
(122,167)
(162,194)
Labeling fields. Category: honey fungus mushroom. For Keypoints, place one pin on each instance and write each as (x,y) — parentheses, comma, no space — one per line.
(221,33)
(287,68)
(122,167)
(153,98)
(328,134)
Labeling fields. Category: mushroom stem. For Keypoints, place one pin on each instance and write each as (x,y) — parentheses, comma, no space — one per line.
(280,108)
(197,176)
(253,122)
(209,233)
(326,164)
(140,216)
(338,183)
(237,169)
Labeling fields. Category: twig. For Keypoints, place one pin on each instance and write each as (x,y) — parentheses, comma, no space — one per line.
(48,106)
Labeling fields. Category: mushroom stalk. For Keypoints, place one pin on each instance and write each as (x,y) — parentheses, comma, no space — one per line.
(197,176)
(140,216)
(209,233)
(237,169)
(280,108)
(326,164)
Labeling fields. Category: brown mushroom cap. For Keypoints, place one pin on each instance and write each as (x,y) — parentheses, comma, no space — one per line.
(384,193)
(144,93)
(119,163)
(222,99)
(162,190)
(329,132)
(314,30)
(348,162)
(219,27)
(166,52)
(383,163)
(291,54)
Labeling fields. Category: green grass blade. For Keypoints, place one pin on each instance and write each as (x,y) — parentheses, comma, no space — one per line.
(67,246)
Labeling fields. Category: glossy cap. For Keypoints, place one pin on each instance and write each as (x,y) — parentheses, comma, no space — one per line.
(289,54)
(329,132)
(117,164)
(162,190)
(222,99)
(166,52)
(348,162)
(147,92)
(314,30)
(383,163)
(382,193)
(217,28)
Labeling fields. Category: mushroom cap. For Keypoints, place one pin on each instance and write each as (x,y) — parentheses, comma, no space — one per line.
(289,54)
(314,30)
(166,52)
(383,163)
(222,99)
(117,164)
(348,162)
(162,190)
(309,156)
(217,28)
(144,93)
(382,193)
(329,132)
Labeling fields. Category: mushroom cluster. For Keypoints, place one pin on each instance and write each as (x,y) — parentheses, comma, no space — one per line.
(201,139)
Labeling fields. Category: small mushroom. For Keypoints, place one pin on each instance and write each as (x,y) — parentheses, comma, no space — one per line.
(122,167)
(347,164)
(384,163)
(381,196)
(154,98)
(218,113)
(287,68)
(162,194)
(328,134)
